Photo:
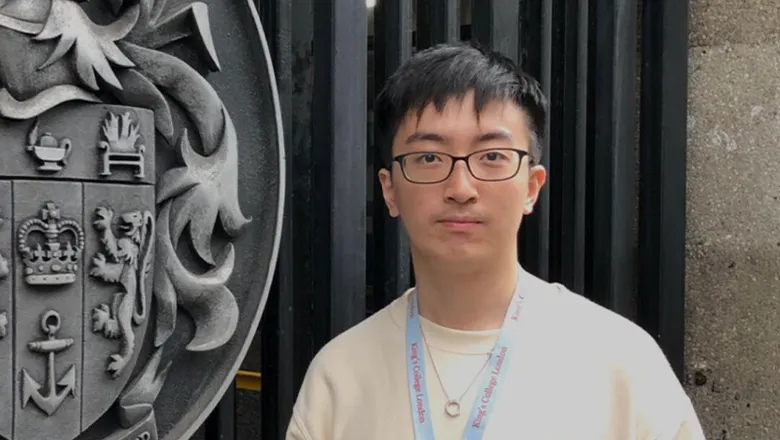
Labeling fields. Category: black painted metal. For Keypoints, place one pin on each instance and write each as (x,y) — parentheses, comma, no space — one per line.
(577,247)
(495,24)
(339,118)
(614,154)
(559,152)
(438,21)
(535,47)
(393,27)
(306,256)
(584,230)
(277,331)
(221,423)
(567,158)
(662,178)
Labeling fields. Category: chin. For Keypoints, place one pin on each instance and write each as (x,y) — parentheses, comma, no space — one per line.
(463,254)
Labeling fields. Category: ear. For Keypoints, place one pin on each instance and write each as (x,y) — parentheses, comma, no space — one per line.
(537,176)
(388,191)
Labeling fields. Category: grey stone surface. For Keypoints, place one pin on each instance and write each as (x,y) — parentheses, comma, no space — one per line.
(156,181)
(83,129)
(32,303)
(6,309)
(718,22)
(104,332)
(733,249)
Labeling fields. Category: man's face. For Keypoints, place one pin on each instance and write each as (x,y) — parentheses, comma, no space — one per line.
(462,218)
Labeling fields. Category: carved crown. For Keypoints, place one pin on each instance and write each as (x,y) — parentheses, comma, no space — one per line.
(121,134)
(50,247)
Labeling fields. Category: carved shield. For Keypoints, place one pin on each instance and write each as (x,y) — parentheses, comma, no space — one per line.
(77,197)
(141,192)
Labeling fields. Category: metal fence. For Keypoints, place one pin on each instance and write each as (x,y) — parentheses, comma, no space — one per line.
(610,224)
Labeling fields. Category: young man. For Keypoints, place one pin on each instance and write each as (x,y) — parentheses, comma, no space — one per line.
(480,348)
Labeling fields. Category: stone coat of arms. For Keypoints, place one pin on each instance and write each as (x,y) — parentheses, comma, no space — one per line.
(103,245)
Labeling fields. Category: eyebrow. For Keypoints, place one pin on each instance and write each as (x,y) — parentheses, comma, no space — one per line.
(418,136)
(500,135)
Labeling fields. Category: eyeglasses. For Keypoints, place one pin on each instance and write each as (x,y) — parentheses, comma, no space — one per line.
(493,165)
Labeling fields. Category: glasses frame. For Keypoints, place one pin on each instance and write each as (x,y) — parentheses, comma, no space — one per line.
(455,159)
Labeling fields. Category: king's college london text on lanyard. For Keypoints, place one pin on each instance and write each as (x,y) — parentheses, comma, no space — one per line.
(490,384)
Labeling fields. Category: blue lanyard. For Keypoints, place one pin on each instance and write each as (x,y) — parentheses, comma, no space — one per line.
(486,397)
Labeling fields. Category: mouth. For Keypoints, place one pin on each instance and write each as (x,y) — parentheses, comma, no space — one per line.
(460,223)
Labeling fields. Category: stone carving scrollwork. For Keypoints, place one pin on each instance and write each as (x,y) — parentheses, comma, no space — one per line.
(134,243)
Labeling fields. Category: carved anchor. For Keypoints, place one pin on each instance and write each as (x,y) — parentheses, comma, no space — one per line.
(50,403)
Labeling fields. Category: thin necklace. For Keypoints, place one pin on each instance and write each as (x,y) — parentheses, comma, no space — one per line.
(452,406)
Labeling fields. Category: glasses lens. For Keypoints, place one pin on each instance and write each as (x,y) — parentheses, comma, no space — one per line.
(498,164)
(427,167)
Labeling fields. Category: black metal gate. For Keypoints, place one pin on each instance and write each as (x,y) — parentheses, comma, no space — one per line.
(610,224)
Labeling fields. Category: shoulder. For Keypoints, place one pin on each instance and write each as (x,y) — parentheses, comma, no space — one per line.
(351,349)
(573,317)
(640,372)
(341,370)
(347,353)
(602,338)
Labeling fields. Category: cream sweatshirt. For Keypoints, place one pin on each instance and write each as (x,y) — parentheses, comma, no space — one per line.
(579,372)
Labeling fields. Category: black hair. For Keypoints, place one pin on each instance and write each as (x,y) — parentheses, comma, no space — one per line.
(440,73)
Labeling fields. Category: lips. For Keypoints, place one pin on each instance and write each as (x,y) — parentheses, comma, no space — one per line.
(460,223)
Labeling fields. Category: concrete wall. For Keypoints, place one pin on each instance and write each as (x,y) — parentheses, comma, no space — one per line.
(733,244)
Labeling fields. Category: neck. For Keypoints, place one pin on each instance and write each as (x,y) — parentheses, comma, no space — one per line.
(465,299)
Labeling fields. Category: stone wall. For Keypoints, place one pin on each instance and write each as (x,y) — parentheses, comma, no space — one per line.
(733,244)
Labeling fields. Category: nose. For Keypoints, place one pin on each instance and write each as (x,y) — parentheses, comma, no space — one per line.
(459,187)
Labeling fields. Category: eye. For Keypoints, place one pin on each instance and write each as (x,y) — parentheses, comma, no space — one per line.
(494,156)
(427,158)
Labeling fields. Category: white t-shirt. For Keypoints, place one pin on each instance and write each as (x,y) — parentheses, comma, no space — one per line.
(579,372)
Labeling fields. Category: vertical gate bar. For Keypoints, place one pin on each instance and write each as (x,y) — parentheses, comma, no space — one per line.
(663,175)
(392,46)
(578,247)
(588,135)
(543,206)
(438,21)
(568,176)
(221,423)
(278,324)
(304,230)
(560,171)
(529,55)
(614,155)
(494,23)
(310,315)
(535,57)
(339,127)
(530,37)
